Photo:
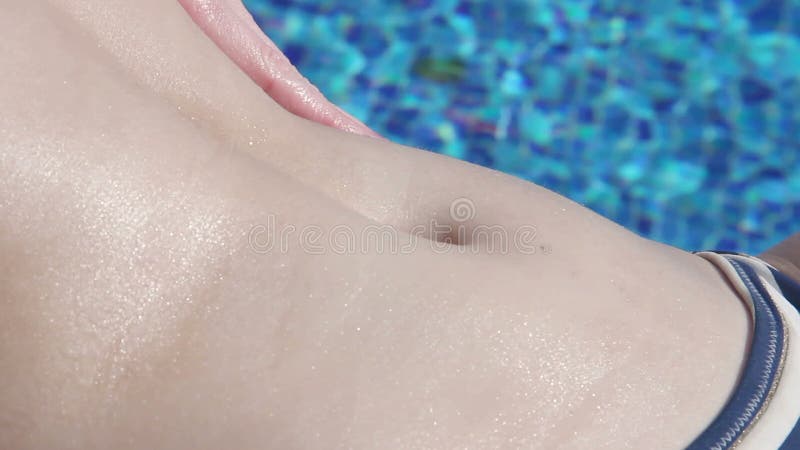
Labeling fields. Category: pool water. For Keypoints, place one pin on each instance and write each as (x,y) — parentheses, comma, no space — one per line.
(676,119)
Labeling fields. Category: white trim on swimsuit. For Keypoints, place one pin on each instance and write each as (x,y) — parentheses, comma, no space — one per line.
(763,412)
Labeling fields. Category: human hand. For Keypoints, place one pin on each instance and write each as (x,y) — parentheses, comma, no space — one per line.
(233,29)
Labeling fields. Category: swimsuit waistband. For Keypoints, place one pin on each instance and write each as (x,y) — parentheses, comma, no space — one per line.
(763,412)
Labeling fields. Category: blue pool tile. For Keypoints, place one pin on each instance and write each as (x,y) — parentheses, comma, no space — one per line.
(372,40)
(296,53)
(766,15)
(754,91)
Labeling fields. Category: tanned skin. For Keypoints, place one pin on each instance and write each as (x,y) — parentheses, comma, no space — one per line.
(785,256)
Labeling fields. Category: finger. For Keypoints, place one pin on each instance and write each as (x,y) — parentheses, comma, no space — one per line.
(233,29)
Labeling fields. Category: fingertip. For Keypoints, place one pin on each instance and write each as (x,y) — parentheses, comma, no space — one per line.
(233,29)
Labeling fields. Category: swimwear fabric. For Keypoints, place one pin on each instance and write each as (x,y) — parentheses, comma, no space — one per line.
(763,412)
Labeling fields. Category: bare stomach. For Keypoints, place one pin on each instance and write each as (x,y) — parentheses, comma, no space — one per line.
(187,265)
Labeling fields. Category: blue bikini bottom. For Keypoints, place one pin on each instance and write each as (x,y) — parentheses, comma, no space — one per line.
(763,412)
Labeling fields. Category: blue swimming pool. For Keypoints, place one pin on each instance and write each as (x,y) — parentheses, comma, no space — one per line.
(677,119)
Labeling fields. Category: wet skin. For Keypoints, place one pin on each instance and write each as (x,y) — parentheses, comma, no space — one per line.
(136,161)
